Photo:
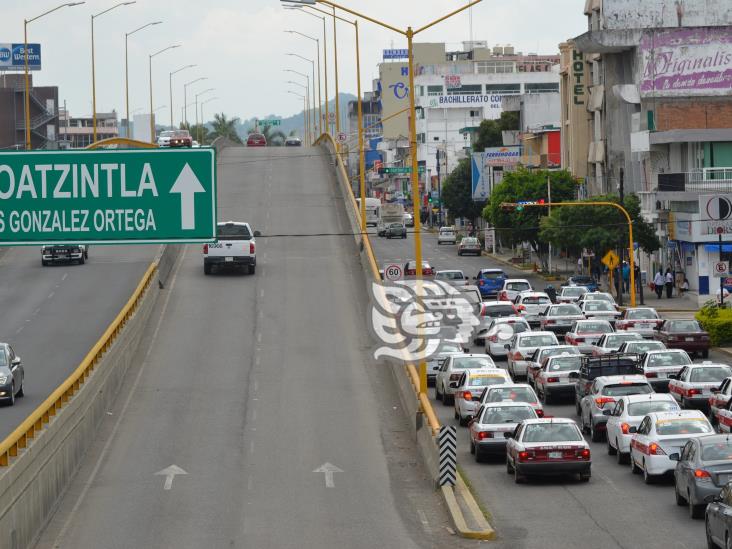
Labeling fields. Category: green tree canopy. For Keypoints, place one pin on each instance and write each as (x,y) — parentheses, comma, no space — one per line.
(490,131)
(599,228)
(515,227)
(225,127)
(457,192)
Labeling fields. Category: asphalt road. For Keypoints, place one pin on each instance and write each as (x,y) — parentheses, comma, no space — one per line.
(250,384)
(614,510)
(52,316)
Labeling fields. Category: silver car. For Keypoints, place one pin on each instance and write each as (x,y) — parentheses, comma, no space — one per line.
(600,310)
(596,296)
(451,370)
(453,277)
(521,348)
(609,343)
(492,422)
(499,333)
(434,363)
(585,333)
(446,236)
(537,359)
(553,379)
(531,305)
(513,287)
(559,318)
(570,294)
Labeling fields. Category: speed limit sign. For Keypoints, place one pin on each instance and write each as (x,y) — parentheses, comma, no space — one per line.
(342,137)
(393,272)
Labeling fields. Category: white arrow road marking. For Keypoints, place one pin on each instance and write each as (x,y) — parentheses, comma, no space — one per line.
(169,473)
(187,185)
(328,469)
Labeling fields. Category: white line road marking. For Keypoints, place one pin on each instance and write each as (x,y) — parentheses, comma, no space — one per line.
(38,310)
(259,337)
(19,330)
(328,469)
(250,481)
(261,293)
(170,473)
(51,295)
(257,360)
(256,385)
(251,447)
(254,414)
(64,277)
(424,521)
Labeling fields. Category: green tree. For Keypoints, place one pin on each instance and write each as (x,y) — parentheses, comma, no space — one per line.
(224,127)
(457,193)
(490,131)
(514,226)
(599,228)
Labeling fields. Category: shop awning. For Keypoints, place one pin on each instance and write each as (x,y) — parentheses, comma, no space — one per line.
(715,247)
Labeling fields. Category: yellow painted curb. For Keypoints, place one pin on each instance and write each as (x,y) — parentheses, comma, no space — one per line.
(458,519)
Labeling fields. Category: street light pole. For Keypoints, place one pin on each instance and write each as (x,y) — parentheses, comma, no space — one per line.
(200,126)
(304,121)
(152,112)
(196,101)
(325,64)
(170,84)
(185,96)
(127,72)
(28,146)
(316,126)
(307,94)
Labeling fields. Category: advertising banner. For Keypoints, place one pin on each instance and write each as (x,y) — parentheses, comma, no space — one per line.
(491,103)
(396,54)
(12,57)
(687,61)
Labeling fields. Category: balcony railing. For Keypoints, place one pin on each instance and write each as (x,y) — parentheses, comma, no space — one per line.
(706,179)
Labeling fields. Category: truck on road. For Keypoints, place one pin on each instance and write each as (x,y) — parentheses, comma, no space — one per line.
(235,246)
(388,214)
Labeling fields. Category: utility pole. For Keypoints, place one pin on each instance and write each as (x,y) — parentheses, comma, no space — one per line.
(549,197)
(621,280)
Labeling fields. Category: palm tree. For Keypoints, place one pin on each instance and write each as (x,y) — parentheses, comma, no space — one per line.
(223,127)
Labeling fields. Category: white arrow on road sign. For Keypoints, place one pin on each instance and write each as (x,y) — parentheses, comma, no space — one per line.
(169,473)
(187,185)
(328,469)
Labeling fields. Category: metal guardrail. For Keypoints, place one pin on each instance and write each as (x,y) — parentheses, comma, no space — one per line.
(27,430)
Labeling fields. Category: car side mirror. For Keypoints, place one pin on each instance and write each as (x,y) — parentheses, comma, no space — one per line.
(674,456)
(713,498)
(452,385)
(673,376)
(508,435)
(633,430)
(16,361)
(257,233)
(607,412)
(507,347)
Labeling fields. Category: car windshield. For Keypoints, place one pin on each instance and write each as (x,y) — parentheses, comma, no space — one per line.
(508,414)
(582,280)
(472,363)
(574,291)
(166,134)
(450,275)
(516,394)
(473,296)
(518,286)
(469,241)
(720,451)
(491,275)
(598,297)
(683,426)
(645,408)
(444,349)
(483,380)
(594,306)
(641,347)
(682,326)
(395,225)
(551,432)
(536,341)
(624,389)
(641,314)
(564,310)
(3,359)
(564,364)
(615,341)
(594,328)
(181,133)
(658,360)
(536,300)
(495,311)
(558,350)
(518,327)
(233,231)
(709,374)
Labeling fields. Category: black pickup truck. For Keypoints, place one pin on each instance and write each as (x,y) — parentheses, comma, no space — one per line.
(593,367)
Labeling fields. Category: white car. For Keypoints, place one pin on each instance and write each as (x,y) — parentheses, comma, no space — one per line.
(453,368)
(447,348)
(499,333)
(641,320)
(596,296)
(693,386)
(553,381)
(609,343)
(492,422)
(513,392)
(469,388)
(522,346)
(559,318)
(658,366)
(513,287)
(547,447)
(584,334)
(628,412)
(570,294)
(164,138)
(536,360)
(531,305)
(469,245)
(719,400)
(599,310)
(661,434)
(446,235)
(195,145)
(454,277)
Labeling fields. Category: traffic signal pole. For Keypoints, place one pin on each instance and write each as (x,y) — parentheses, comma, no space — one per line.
(514,205)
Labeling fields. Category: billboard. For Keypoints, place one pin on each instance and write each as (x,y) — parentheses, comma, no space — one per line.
(396,54)
(12,57)
(686,61)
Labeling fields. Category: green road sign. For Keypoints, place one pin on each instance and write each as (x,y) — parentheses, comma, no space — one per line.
(399,170)
(271,122)
(108,196)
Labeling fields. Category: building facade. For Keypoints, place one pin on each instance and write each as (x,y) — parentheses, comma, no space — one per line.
(44,120)
(77,133)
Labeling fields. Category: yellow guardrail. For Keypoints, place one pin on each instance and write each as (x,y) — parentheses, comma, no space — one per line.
(429,412)
(124,141)
(18,439)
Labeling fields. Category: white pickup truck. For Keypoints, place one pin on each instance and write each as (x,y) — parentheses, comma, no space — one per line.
(235,246)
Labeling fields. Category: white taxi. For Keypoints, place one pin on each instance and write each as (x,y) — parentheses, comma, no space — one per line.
(450,370)
(720,399)
(693,386)
(584,334)
(553,381)
(547,447)
(628,412)
(661,434)
(470,387)
(492,422)
(512,392)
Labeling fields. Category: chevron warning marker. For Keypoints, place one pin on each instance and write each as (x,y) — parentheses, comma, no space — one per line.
(447,446)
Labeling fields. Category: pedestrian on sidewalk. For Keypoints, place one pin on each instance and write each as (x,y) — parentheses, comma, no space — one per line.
(669,283)
(658,282)
(580,265)
(626,276)
(685,286)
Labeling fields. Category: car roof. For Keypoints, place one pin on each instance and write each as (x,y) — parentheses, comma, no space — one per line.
(517,280)
(449,271)
(658,351)
(707,364)
(713,439)
(507,319)
(508,386)
(533,333)
(477,355)
(482,371)
(532,293)
(498,304)
(506,403)
(606,380)
(492,271)
(593,320)
(642,309)
(648,397)
(676,414)
(549,421)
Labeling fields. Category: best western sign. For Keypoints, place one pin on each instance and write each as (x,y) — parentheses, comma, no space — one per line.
(95,197)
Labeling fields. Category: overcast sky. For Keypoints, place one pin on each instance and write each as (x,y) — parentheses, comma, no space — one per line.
(240,45)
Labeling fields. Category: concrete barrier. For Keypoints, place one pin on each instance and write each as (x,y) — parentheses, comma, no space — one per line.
(34,480)
(220,143)
(167,257)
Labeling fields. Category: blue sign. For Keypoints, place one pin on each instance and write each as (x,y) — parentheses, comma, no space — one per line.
(12,56)
(396,54)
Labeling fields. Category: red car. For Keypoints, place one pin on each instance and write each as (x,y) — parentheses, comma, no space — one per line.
(181,138)
(684,334)
(410,269)
(256,140)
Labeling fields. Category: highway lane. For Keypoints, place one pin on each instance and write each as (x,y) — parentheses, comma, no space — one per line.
(52,316)
(615,509)
(251,384)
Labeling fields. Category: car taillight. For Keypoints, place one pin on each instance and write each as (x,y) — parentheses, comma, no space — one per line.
(523,456)
(503,296)
(481,283)
(493,338)
(584,453)
(692,392)
(467,395)
(655,450)
(625,428)
(521,308)
(454,377)
(552,380)
(601,401)
(579,339)
(651,374)
(205,248)
(702,474)
(550,322)
(251,248)
(540,412)
(484,434)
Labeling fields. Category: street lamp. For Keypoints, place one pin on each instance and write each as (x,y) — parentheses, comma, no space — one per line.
(159,108)
(196,101)
(170,82)
(94,77)
(319,126)
(152,112)
(310,121)
(325,62)
(200,126)
(304,120)
(127,72)
(27,75)
(305,112)
(185,96)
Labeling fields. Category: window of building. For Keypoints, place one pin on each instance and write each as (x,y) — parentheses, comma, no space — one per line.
(542,87)
(475,114)
(467,89)
(495,67)
(420,138)
(434,90)
(502,89)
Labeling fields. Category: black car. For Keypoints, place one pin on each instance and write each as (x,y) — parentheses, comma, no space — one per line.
(704,467)
(718,519)
(12,375)
(64,253)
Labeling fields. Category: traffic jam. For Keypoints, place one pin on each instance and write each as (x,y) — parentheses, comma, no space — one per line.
(621,381)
